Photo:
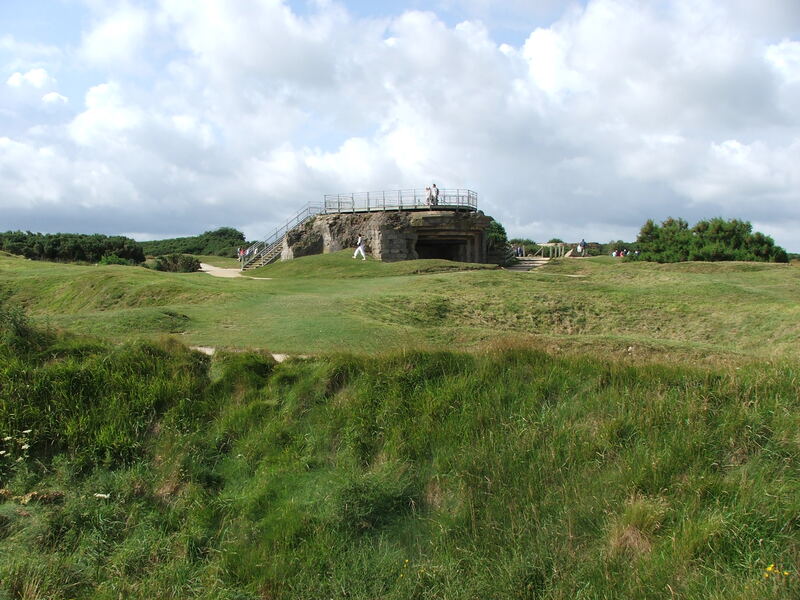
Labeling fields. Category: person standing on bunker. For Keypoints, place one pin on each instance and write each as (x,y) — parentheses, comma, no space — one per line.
(360,248)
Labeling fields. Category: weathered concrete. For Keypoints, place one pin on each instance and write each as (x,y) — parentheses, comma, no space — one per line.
(395,235)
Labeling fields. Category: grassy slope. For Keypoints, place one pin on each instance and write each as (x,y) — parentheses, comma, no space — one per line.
(316,304)
(511,474)
(502,474)
(223,262)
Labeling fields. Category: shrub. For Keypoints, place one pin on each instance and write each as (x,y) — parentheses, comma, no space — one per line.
(712,240)
(70,246)
(221,242)
(17,335)
(177,263)
(113,259)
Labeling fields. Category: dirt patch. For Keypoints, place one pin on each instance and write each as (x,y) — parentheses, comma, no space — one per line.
(630,540)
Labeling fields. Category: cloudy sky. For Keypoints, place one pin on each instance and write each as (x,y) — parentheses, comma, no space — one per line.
(156,118)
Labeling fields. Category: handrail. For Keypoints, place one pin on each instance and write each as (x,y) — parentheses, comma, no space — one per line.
(259,249)
(459,199)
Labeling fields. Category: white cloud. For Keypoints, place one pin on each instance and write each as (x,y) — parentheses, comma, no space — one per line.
(117,38)
(107,119)
(54,98)
(785,58)
(602,117)
(37,78)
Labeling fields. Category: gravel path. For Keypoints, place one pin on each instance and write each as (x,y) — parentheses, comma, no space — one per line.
(220,272)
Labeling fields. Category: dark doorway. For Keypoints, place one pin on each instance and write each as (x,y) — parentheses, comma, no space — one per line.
(446,249)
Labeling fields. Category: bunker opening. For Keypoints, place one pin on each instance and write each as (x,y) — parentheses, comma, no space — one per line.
(445,249)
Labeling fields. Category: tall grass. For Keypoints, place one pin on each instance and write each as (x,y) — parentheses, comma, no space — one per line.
(509,474)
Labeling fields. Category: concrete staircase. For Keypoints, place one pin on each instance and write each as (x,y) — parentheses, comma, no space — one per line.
(528,263)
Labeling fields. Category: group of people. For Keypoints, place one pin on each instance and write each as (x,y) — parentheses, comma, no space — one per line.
(519,251)
(242,253)
(624,252)
(432,195)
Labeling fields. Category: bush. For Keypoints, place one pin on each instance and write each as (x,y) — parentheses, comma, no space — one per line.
(71,246)
(113,259)
(177,263)
(712,240)
(500,251)
(17,335)
(221,242)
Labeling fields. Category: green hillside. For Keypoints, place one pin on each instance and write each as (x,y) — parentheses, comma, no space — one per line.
(320,303)
(222,242)
(594,429)
(144,470)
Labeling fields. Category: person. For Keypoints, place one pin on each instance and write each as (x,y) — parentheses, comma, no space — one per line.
(428,196)
(435,191)
(360,248)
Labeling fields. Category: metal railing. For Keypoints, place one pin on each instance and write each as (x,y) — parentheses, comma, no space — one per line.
(415,199)
(268,250)
(264,252)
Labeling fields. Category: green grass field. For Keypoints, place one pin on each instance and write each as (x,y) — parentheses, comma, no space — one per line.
(595,429)
(322,303)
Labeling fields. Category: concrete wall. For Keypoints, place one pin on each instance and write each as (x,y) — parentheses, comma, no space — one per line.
(395,235)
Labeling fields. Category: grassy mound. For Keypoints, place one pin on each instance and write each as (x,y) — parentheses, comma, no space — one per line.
(145,471)
(341,264)
(319,303)
(59,289)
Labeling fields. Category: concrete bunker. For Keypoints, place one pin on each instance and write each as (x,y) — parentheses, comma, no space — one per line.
(395,235)
(396,225)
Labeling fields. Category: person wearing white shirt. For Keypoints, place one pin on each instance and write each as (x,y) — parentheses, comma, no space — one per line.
(360,248)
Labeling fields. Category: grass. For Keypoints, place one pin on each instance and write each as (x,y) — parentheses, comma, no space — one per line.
(594,429)
(223,262)
(693,311)
(505,474)
(342,265)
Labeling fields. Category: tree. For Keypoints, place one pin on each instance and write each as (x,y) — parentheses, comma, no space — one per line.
(496,235)
(710,240)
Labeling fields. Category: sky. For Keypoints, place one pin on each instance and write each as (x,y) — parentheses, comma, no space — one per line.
(570,119)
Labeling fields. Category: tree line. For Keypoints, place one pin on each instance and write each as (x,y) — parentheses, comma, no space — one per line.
(674,241)
(710,240)
(219,242)
(72,247)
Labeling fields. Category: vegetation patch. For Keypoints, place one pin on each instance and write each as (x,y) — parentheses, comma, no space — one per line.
(72,247)
(177,263)
(148,470)
(341,264)
(220,242)
(711,240)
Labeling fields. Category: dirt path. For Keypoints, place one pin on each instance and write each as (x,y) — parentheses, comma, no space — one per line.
(210,351)
(220,272)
